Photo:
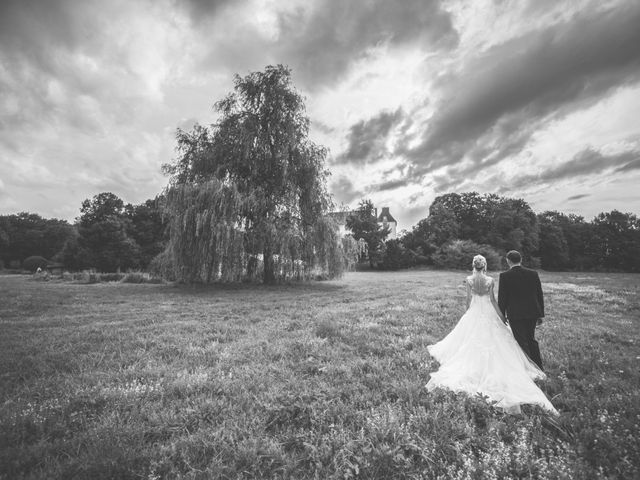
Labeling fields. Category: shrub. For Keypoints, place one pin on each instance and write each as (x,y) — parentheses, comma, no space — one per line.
(111,277)
(140,277)
(458,255)
(162,266)
(533,262)
(134,277)
(34,262)
(396,256)
(86,276)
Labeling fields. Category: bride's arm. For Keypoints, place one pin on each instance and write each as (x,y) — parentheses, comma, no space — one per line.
(495,304)
(466,284)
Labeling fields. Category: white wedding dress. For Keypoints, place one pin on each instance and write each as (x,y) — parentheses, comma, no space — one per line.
(480,355)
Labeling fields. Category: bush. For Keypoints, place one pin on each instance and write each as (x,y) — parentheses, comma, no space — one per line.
(135,277)
(162,266)
(111,277)
(533,262)
(458,255)
(34,262)
(73,256)
(140,277)
(85,276)
(396,256)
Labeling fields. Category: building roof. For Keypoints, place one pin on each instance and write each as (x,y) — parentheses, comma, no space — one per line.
(385,213)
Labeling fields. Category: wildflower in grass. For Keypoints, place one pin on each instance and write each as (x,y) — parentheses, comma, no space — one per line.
(35,412)
(195,378)
(133,388)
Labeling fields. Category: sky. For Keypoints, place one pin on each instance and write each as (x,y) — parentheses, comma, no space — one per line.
(533,99)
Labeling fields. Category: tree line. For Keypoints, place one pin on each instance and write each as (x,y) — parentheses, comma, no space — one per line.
(460,225)
(109,235)
(247,200)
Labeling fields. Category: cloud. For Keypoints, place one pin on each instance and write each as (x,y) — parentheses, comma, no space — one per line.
(577,197)
(587,162)
(323,42)
(388,185)
(632,165)
(538,76)
(367,138)
(201,10)
(81,86)
(343,190)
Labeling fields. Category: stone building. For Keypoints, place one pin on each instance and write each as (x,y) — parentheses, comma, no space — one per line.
(386,220)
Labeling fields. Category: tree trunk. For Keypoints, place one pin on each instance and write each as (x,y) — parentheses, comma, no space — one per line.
(269,275)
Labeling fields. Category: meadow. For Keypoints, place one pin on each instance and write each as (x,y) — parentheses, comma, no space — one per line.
(305,381)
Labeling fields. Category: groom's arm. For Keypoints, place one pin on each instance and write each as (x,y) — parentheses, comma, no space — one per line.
(502,295)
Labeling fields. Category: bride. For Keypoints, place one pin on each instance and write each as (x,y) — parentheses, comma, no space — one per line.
(480,355)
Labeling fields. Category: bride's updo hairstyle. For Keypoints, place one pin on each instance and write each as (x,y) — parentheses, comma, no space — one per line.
(479,263)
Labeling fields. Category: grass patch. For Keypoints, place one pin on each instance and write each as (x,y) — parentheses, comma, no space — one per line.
(318,380)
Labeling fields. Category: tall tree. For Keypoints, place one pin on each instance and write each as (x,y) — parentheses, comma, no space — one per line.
(259,187)
(616,241)
(148,227)
(363,224)
(103,240)
(103,206)
(553,248)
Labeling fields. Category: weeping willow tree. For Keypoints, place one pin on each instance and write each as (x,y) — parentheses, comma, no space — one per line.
(247,195)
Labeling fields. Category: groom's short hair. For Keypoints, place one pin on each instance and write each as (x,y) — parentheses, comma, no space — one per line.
(514,257)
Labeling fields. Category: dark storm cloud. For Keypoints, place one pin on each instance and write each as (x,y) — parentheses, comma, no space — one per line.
(633,165)
(343,190)
(587,162)
(367,138)
(200,10)
(388,185)
(57,46)
(542,75)
(30,29)
(321,42)
(322,45)
(578,197)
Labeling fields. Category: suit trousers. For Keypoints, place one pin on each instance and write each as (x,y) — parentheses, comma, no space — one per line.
(524,330)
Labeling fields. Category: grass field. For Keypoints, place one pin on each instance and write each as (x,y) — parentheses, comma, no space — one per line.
(318,380)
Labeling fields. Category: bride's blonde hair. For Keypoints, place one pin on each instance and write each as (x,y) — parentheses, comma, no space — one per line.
(479,263)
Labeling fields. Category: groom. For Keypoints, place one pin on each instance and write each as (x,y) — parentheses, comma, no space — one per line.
(520,300)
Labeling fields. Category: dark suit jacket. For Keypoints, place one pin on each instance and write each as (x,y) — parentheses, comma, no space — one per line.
(520,294)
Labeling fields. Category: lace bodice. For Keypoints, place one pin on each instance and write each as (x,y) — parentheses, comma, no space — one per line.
(480,284)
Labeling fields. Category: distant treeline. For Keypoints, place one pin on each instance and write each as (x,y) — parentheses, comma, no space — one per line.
(461,225)
(109,236)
